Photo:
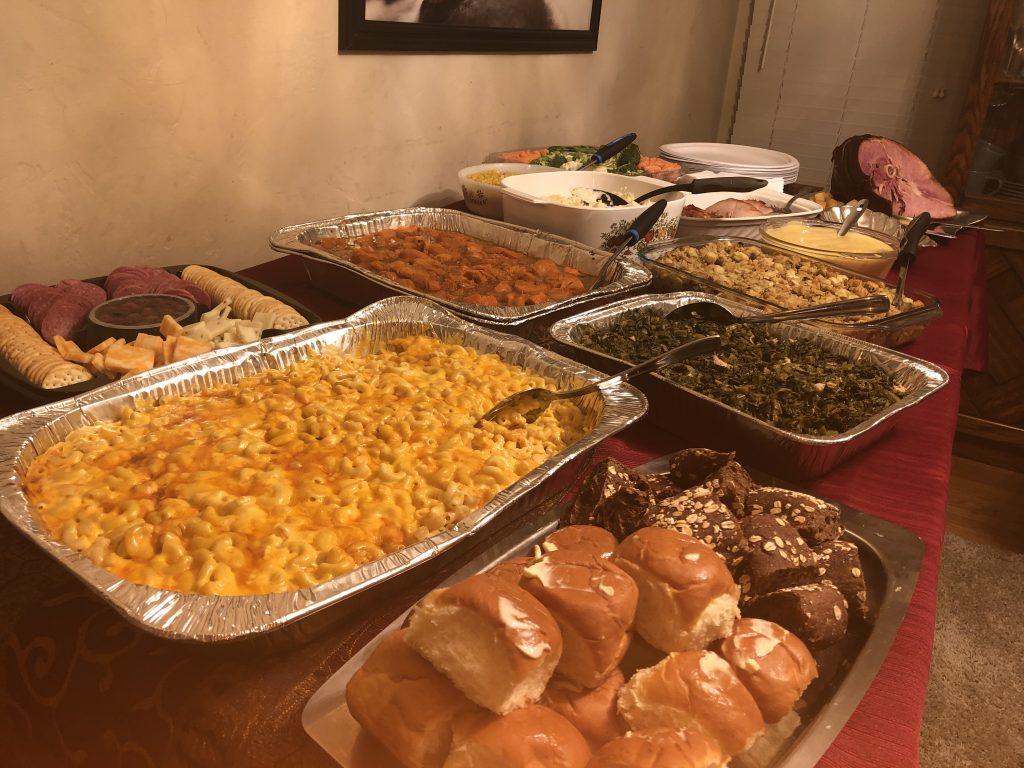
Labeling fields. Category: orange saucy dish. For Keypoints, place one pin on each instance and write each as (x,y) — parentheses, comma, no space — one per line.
(456,267)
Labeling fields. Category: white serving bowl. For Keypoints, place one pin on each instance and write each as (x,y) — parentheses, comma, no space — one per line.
(747,226)
(485,199)
(526,204)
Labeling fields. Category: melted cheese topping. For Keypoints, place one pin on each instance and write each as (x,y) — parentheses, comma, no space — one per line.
(291,477)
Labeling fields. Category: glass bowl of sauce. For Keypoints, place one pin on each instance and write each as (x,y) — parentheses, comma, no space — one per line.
(861,250)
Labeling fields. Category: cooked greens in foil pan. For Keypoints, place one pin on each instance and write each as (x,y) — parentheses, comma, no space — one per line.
(780,451)
(206,618)
(302,238)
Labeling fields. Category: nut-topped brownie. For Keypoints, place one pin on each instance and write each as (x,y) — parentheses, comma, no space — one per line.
(699,512)
(613,497)
(816,613)
(731,483)
(661,486)
(839,563)
(692,466)
(776,557)
(815,519)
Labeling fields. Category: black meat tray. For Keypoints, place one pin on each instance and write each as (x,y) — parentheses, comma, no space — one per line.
(12,379)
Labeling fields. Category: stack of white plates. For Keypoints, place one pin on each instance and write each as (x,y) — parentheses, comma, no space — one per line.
(733,158)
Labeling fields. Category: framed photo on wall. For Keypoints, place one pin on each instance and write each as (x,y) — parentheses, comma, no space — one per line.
(481,26)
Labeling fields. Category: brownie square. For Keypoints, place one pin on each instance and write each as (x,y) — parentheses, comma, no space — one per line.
(776,556)
(815,519)
(693,466)
(816,613)
(839,563)
(661,486)
(699,512)
(613,497)
(731,484)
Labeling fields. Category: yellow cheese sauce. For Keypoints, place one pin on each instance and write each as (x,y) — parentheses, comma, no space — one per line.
(827,239)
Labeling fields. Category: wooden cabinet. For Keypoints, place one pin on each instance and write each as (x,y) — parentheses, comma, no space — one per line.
(986,173)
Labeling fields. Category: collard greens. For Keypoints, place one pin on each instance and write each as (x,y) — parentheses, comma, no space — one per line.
(794,384)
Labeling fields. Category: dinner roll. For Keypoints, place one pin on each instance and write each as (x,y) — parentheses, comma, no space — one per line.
(494,640)
(511,570)
(772,663)
(659,748)
(688,598)
(526,738)
(695,690)
(407,705)
(592,710)
(593,601)
(588,537)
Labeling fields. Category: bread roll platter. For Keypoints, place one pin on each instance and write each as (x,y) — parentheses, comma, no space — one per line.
(63,340)
(324,245)
(786,451)
(585,641)
(320,395)
(770,277)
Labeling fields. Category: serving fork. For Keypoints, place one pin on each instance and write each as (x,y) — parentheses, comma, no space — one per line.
(715,313)
(532,403)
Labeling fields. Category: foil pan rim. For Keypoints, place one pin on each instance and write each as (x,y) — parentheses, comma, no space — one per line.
(205,618)
(933,376)
(633,274)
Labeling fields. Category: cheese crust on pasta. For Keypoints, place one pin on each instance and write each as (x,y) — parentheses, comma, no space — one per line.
(293,476)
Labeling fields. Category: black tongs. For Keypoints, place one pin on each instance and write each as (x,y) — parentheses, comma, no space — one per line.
(908,250)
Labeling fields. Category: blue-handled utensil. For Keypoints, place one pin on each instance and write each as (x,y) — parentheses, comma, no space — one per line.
(641,226)
(608,151)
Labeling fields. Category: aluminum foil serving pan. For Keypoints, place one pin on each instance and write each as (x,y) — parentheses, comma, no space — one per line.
(891,559)
(892,331)
(358,285)
(779,451)
(205,618)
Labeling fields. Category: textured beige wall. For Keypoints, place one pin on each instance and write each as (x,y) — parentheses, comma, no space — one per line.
(187,130)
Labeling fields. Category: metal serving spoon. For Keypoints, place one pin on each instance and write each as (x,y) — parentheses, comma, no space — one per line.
(788,207)
(852,217)
(715,313)
(908,250)
(696,186)
(641,226)
(532,403)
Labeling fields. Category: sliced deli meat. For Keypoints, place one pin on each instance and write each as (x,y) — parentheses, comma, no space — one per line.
(892,178)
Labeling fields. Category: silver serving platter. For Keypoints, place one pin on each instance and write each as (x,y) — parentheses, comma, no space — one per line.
(891,559)
(779,451)
(892,331)
(204,618)
(301,239)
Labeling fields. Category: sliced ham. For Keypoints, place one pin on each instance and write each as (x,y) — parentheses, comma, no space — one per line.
(730,208)
(892,178)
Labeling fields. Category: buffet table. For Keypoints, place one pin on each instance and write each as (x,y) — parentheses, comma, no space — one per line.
(78,685)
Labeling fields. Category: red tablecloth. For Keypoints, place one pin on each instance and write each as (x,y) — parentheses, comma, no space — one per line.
(78,686)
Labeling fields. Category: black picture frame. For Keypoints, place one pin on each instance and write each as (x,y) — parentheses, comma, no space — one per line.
(356,33)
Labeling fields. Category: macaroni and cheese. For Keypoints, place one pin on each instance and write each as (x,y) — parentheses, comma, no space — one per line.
(293,476)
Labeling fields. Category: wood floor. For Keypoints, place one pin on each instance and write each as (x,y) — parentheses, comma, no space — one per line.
(986,503)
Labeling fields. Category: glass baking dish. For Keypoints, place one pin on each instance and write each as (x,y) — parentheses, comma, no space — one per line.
(892,331)
(875,263)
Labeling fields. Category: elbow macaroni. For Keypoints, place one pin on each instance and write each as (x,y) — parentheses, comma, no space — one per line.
(291,477)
